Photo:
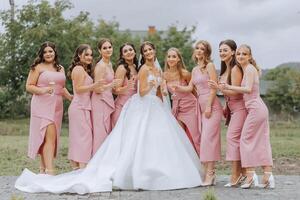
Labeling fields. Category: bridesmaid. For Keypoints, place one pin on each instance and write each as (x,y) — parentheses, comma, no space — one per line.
(80,126)
(127,73)
(255,138)
(184,105)
(211,109)
(102,98)
(46,81)
(235,106)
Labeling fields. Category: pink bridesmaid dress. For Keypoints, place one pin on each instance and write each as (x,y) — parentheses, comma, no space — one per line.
(185,108)
(255,139)
(238,115)
(46,109)
(103,106)
(121,100)
(210,141)
(80,126)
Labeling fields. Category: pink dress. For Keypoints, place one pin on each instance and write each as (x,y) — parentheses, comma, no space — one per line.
(80,126)
(102,108)
(255,139)
(121,100)
(185,108)
(210,145)
(46,109)
(238,115)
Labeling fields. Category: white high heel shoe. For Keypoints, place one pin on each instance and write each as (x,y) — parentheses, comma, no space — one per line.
(254,181)
(270,183)
(240,180)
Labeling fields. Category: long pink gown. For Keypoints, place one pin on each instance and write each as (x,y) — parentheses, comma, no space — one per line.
(46,109)
(80,126)
(255,139)
(121,100)
(210,142)
(185,108)
(238,115)
(103,106)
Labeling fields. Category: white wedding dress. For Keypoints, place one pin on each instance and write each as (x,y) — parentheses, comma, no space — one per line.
(147,150)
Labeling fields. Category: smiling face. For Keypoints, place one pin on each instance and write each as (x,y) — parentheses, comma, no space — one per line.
(243,56)
(172,58)
(199,51)
(106,49)
(86,57)
(128,53)
(148,52)
(48,55)
(226,53)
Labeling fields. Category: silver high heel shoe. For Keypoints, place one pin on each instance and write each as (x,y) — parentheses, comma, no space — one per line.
(270,183)
(253,181)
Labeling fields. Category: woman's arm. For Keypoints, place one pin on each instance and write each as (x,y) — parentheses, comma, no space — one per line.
(211,70)
(31,82)
(250,75)
(78,77)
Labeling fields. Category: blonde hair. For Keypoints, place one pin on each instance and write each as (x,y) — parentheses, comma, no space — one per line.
(180,64)
(207,52)
(251,61)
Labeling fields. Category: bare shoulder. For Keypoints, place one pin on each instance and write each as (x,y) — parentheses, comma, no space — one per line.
(236,70)
(62,69)
(121,68)
(186,73)
(210,66)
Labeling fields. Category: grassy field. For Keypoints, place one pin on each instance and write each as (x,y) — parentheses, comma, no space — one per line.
(285,139)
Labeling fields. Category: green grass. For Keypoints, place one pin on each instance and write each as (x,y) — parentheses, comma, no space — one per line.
(285,140)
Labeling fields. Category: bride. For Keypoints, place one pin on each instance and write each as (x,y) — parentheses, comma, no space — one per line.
(147,149)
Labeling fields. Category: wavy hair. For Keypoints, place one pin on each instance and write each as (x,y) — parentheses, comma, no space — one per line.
(142,51)
(251,61)
(180,65)
(76,59)
(123,62)
(40,56)
(207,52)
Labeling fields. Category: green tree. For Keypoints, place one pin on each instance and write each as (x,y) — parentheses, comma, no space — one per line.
(35,23)
(284,95)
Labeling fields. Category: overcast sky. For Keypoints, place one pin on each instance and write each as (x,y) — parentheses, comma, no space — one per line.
(270,27)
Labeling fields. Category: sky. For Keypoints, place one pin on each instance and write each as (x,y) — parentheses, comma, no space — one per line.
(270,27)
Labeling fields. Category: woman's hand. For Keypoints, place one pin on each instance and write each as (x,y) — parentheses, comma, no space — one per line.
(207,112)
(213,85)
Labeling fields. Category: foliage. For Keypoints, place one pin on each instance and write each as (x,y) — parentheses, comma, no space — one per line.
(284,95)
(209,195)
(40,21)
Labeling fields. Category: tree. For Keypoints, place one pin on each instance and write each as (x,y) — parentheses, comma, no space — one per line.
(284,95)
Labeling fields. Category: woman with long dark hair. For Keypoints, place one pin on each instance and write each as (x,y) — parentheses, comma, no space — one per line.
(127,71)
(102,98)
(234,111)
(80,125)
(46,81)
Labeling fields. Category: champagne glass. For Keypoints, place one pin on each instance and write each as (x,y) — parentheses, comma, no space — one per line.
(52,85)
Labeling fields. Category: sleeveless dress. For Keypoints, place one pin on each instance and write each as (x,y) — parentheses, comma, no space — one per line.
(121,100)
(185,108)
(46,109)
(255,138)
(210,146)
(147,149)
(80,126)
(102,108)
